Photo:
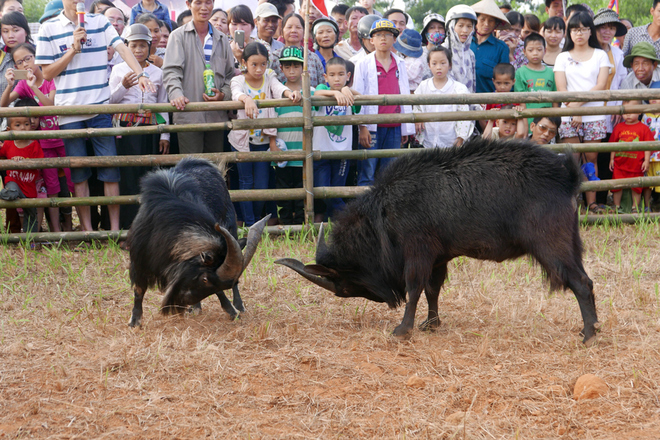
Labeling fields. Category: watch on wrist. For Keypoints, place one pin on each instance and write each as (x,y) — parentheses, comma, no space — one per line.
(145,74)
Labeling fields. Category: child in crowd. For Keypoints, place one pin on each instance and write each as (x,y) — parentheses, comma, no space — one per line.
(258,82)
(21,184)
(124,90)
(554,30)
(409,46)
(442,134)
(335,137)
(461,22)
(504,79)
(544,129)
(289,174)
(151,6)
(652,120)
(625,164)
(43,91)
(535,76)
(506,128)
(382,73)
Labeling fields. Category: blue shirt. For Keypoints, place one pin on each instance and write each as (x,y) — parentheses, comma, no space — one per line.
(318,53)
(160,12)
(487,55)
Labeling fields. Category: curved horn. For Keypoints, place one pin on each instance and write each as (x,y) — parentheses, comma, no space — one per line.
(253,239)
(232,267)
(300,268)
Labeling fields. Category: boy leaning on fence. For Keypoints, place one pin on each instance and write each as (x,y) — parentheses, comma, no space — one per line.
(75,57)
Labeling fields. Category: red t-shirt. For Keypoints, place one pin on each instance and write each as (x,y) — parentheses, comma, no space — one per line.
(630,161)
(388,84)
(26,179)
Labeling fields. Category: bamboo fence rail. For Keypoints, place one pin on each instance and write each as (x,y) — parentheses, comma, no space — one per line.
(308,193)
(233,157)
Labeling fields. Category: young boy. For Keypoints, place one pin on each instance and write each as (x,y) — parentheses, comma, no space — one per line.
(625,164)
(382,73)
(504,78)
(506,128)
(333,138)
(544,129)
(153,6)
(22,184)
(289,175)
(535,76)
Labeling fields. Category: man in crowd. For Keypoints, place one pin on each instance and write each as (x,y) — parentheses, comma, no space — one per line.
(349,47)
(644,64)
(65,53)
(267,20)
(554,8)
(649,33)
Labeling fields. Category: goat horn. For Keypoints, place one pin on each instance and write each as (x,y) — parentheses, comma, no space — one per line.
(232,267)
(253,239)
(300,268)
(320,243)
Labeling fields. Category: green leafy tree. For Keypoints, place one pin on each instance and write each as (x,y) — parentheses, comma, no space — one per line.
(34,9)
(418,9)
(635,11)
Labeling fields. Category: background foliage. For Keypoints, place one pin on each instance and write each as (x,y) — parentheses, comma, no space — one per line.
(34,9)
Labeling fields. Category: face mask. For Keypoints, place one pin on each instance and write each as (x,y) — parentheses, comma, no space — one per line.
(435,38)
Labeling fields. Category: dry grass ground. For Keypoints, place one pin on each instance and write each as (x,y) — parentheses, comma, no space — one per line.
(304,364)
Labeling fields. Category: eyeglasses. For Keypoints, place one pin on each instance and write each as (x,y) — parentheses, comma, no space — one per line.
(546,129)
(582,30)
(24,61)
(118,21)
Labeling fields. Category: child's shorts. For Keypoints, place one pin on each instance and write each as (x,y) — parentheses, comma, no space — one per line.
(590,131)
(622,174)
(654,170)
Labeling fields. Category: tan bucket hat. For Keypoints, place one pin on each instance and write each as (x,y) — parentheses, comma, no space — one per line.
(489,7)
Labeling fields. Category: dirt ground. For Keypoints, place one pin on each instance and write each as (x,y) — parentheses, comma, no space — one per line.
(304,364)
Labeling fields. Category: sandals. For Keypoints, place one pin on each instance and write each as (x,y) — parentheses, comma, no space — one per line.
(595,209)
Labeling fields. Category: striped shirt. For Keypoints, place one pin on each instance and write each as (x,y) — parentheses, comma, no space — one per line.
(208,45)
(84,80)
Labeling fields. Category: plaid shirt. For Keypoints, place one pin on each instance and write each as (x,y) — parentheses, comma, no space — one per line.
(639,35)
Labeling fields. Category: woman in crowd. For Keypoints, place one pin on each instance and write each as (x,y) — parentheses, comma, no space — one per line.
(488,50)
(219,20)
(15,30)
(461,21)
(153,24)
(582,66)
(513,40)
(554,30)
(293,33)
(240,19)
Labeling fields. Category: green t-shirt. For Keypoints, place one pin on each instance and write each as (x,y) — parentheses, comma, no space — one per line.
(528,80)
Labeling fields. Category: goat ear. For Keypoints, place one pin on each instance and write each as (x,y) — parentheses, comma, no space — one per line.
(322,271)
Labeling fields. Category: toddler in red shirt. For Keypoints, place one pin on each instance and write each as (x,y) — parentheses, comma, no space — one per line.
(625,164)
(21,184)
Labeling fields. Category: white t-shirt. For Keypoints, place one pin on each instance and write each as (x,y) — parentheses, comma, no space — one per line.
(582,76)
(332,137)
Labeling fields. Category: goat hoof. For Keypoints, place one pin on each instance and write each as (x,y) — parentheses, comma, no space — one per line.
(402,332)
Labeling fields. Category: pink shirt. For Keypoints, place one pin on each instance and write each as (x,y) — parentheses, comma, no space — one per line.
(46,122)
(388,84)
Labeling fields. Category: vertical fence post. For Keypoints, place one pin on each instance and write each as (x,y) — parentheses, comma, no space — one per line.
(308,127)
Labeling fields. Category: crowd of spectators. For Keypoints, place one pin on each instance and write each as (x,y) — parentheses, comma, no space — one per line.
(246,51)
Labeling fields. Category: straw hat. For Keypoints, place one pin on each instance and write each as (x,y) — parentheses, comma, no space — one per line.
(489,7)
(608,16)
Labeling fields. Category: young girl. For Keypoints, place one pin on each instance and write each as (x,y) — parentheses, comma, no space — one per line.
(442,134)
(256,83)
(43,91)
(582,66)
(461,21)
(554,30)
(124,90)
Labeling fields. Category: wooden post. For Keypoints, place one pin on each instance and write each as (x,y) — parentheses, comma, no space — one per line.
(308,127)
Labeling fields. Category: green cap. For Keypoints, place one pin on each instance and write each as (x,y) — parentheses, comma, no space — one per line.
(292,53)
(644,50)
